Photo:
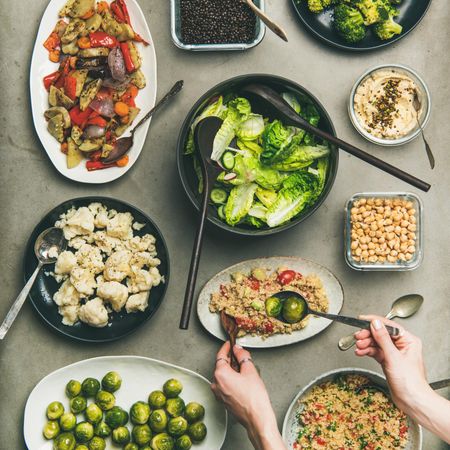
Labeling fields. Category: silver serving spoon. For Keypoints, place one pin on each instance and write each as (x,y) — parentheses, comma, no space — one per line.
(417,105)
(298,309)
(403,307)
(49,244)
(267,20)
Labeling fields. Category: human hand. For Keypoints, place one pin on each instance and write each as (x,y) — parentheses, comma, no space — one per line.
(245,396)
(400,358)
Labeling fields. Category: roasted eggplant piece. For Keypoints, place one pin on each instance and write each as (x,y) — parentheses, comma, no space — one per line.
(99,72)
(94,52)
(76,134)
(80,76)
(89,63)
(90,145)
(56,97)
(89,93)
(55,127)
(74,155)
(73,30)
(58,110)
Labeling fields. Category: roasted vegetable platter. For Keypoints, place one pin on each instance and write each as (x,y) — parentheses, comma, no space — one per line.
(92,77)
(140,376)
(373,23)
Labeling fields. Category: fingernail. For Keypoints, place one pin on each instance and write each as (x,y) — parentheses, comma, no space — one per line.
(237,346)
(377,324)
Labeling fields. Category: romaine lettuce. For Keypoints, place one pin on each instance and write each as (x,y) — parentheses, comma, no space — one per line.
(251,129)
(275,137)
(239,203)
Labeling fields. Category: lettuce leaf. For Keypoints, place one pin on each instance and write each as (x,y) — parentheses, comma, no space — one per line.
(266,196)
(275,137)
(251,129)
(239,203)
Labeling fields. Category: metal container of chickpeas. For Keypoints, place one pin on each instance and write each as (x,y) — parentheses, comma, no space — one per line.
(384,231)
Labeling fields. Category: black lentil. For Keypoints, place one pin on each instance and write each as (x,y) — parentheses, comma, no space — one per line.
(216,22)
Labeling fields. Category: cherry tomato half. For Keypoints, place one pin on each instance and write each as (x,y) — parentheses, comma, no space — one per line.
(286,277)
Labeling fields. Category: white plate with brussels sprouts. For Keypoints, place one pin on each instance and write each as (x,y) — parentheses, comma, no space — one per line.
(243,291)
(127,401)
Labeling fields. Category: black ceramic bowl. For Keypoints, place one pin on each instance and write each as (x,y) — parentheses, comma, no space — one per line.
(41,294)
(185,165)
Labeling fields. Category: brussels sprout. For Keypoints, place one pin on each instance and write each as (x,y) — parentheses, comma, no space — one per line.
(65,441)
(162,441)
(194,412)
(172,388)
(105,400)
(145,447)
(183,442)
(51,429)
(177,426)
(78,404)
(121,435)
(273,306)
(55,410)
(73,388)
(293,310)
(139,413)
(111,382)
(97,443)
(175,407)
(90,387)
(158,420)
(116,417)
(157,399)
(81,447)
(84,432)
(197,431)
(141,434)
(67,421)
(93,413)
(132,446)
(102,429)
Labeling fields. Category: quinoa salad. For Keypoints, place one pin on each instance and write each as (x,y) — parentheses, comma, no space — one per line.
(244,299)
(343,414)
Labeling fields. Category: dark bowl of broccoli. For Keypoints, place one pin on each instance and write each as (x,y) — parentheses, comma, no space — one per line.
(360,25)
(273,176)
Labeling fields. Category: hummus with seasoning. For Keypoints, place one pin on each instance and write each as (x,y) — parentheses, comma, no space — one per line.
(384,104)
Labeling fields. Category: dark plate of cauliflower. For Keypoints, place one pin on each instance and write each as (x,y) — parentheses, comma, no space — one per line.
(360,25)
(111,279)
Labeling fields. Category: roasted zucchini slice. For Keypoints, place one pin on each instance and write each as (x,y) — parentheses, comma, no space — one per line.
(75,27)
(89,93)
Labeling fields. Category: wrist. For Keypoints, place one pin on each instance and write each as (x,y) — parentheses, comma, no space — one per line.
(264,434)
(417,399)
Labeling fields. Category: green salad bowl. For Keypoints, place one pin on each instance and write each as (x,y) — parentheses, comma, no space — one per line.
(185,162)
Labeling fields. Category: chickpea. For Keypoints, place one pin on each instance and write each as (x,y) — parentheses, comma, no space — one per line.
(389,229)
(408,256)
(354,245)
(371,245)
(411,249)
(391,259)
(365,254)
(354,211)
(403,237)
(412,219)
(409,205)
(359,232)
(358,251)
(366,214)
(402,256)
(382,259)
(362,201)
(412,236)
(411,211)
(390,236)
(373,226)
(371,252)
(375,240)
(398,230)
(391,243)
(403,247)
(373,259)
(364,246)
(412,227)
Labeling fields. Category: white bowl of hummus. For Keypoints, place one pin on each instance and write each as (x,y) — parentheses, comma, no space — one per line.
(388,102)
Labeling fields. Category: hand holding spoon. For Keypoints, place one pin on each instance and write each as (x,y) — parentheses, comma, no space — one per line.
(204,135)
(49,244)
(267,20)
(403,307)
(295,308)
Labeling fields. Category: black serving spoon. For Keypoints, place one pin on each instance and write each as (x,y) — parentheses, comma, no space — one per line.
(204,135)
(296,306)
(270,104)
(122,145)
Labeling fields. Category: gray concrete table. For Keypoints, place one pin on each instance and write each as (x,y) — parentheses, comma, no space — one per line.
(31,186)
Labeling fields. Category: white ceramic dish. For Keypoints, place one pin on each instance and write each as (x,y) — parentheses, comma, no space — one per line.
(42,66)
(140,376)
(424,96)
(333,289)
(290,424)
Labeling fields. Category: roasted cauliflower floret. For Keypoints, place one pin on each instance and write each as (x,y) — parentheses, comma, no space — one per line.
(137,302)
(113,292)
(94,313)
(83,280)
(65,263)
(66,295)
(117,266)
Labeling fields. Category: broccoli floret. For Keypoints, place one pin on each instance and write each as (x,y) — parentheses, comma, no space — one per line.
(387,29)
(349,23)
(317,6)
(373,11)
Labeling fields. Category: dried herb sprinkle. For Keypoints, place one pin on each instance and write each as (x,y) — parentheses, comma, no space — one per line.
(216,22)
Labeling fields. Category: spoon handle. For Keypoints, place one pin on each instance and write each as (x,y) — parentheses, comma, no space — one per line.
(267,20)
(195,259)
(175,89)
(358,323)
(440,384)
(347,342)
(17,305)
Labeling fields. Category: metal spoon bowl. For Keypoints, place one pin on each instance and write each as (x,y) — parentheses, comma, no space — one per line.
(418,106)
(302,310)
(49,244)
(403,307)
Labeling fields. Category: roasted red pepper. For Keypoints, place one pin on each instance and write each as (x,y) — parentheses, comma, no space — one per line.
(118,13)
(139,38)
(79,117)
(102,39)
(95,156)
(52,42)
(129,64)
(70,87)
(51,79)
(98,120)
(64,69)
(124,9)
(98,165)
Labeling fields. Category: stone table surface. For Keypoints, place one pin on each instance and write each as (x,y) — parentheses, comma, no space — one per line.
(30,186)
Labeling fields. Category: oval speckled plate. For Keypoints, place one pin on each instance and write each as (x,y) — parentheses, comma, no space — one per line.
(331,284)
(291,426)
